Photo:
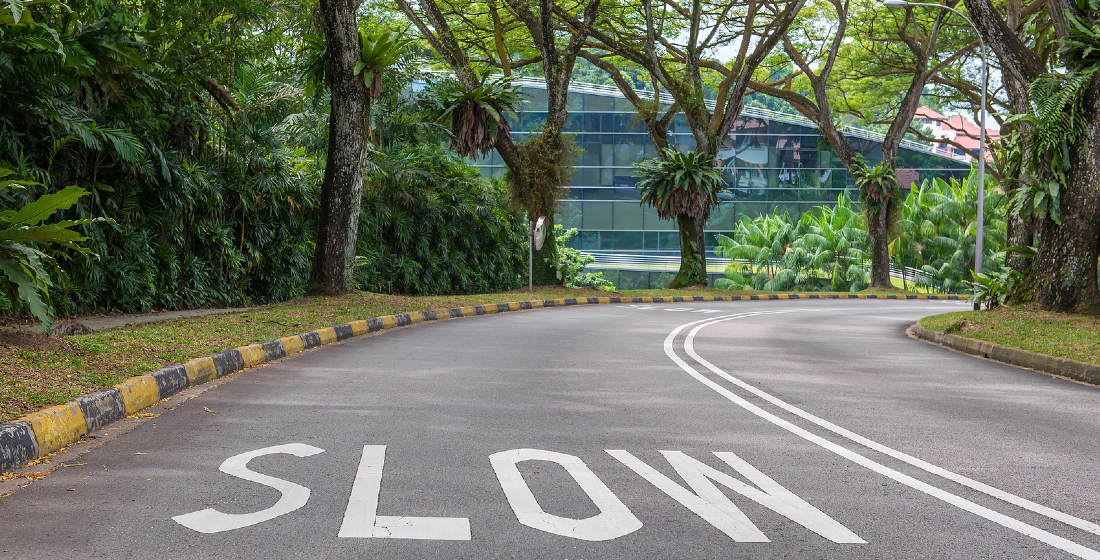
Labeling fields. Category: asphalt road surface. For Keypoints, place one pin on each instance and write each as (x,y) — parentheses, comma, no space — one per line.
(802,429)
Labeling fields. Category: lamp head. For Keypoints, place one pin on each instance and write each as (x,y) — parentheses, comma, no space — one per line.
(895,3)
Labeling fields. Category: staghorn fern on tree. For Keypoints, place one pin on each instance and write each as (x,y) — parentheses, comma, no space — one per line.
(684,186)
(476,116)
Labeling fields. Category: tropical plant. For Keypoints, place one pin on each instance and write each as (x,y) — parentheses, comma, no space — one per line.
(837,239)
(26,269)
(205,181)
(477,116)
(880,200)
(433,225)
(684,186)
(1056,123)
(996,287)
(571,263)
(760,243)
(825,249)
(940,223)
(380,49)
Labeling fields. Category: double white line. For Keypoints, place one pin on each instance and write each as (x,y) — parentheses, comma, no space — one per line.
(999,518)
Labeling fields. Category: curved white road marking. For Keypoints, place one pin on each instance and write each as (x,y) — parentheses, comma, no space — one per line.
(293,496)
(613,521)
(962,503)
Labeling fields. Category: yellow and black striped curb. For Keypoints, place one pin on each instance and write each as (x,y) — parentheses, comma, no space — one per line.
(1079,371)
(50,429)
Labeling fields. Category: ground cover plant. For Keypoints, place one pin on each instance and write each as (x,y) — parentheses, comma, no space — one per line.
(1065,335)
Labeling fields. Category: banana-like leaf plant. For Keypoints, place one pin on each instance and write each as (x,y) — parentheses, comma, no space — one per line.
(26,269)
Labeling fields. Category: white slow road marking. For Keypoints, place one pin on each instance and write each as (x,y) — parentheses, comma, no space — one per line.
(361,519)
(613,521)
(1001,519)
(711,504)
(293,496)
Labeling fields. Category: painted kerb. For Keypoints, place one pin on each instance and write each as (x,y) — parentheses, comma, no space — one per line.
(48,430)
(1080,371)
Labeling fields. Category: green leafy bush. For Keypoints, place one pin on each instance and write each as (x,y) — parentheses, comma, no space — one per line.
(571,263)
(824,250)
(432,224)
(180,131)
(25,268)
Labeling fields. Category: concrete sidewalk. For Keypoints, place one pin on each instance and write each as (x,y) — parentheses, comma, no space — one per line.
(100,322)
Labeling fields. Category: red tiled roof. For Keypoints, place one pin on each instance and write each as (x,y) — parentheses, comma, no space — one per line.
(926,113)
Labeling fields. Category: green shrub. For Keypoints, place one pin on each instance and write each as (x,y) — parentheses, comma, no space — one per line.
(26,270)
(432,224)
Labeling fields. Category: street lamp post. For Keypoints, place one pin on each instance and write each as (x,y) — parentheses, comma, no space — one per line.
(979,248)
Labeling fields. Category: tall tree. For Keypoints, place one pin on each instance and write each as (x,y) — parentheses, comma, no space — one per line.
(686,70)
(903,47)
(356,62)
(1064,271)
(540,166)
(338,222)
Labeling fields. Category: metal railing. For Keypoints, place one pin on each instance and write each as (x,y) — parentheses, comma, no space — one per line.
(628,261)
(636,261)
(790,118)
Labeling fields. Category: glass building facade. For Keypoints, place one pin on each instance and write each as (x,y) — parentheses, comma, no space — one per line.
(771,162)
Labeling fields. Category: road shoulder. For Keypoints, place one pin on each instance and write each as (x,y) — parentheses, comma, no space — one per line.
(1061,367)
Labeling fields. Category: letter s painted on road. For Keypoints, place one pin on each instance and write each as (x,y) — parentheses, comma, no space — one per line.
(293,497)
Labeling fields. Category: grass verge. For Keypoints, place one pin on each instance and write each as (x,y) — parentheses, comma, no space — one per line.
(1075,337)
(36,371)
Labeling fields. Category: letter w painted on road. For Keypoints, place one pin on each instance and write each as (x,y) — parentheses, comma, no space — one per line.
(712,505)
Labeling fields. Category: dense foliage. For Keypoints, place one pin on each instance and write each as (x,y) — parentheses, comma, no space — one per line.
(431,224)
(163,114)
(25,271)
(826,249)
(200,131)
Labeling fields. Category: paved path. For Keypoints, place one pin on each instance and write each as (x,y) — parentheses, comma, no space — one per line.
(98,323)
(810,429)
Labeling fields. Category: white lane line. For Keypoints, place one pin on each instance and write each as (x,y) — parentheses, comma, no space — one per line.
(962,503)
(1013,499)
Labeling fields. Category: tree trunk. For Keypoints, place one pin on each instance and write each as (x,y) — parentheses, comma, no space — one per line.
(693,257)
(1065,268)
(338,222)
(879,250)
(1018,232)
(545,274)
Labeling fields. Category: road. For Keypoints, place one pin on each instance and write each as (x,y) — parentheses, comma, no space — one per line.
(802,429)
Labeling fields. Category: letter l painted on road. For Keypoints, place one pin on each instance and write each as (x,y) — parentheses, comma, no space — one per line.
(361,519)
